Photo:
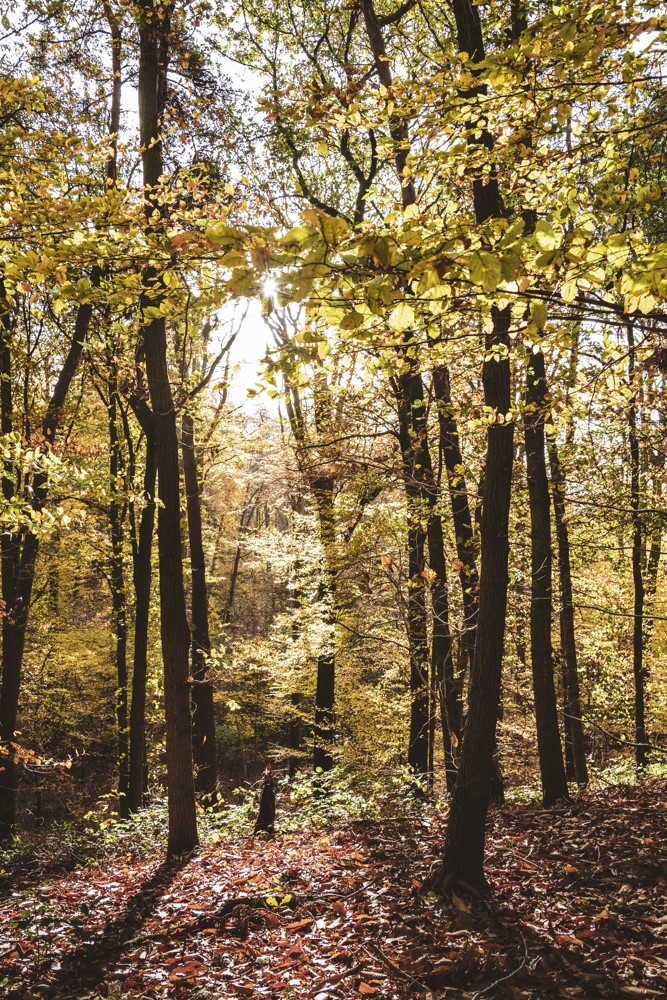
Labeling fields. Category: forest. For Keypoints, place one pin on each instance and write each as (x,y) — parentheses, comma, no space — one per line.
(333,426)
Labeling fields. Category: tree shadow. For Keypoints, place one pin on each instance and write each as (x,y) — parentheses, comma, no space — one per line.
(83,969)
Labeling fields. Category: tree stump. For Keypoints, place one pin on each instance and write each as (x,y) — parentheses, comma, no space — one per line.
(267,804)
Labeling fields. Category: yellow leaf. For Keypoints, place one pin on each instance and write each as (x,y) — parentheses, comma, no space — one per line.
(460,904)
(402,317)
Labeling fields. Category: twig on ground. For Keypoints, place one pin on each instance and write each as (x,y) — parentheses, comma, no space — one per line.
(376,952)
(510,975)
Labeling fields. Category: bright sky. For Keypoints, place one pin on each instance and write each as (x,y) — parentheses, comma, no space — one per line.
(246,358)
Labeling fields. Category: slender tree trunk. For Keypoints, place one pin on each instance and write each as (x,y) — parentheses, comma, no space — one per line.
(458,493)
(651,584)
(154,32)
(294,603)
(9,690)
(243,523)
(464,845)
(570,772)
(118,595)
(416,625)
(567,637)
(142,573)
(442,661)
(21,578)
(325,692)
(552,768)
(202,690)
(641,747)
(418,469)
(417,466)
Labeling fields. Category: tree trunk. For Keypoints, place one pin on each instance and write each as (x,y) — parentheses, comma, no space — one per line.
(416,626)
(9,690)
(20,578)
(118,596)
(442,662)
(651,581)
(142,572)
(641,747)
(417,466)
(202,690)
(458,494)
(567,638)
(154,31)
(244,521)
(325,720)
(464,844)
(552,768)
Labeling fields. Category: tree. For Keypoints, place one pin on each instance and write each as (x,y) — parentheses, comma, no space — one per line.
(552,768)
(464,845)
(153,57)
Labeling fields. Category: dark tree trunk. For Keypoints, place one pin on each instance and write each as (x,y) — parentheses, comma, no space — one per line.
(118,596)
(9,690)
(641,747)
(416,625)
(458,493)
(294,603)
(423,497)
(246,514)
(202,689)
(552,768)
(142,572)
(325,692)
(20,577)
(572,695)
(232,584)
(464,845)
(154,32)
(570,772)
(417,467)
(651,581)
(442,662)
(294,733)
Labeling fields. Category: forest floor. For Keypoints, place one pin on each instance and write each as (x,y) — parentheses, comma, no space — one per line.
(577,908)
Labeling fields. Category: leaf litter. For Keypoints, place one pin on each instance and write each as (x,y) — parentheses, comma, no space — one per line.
(576,909)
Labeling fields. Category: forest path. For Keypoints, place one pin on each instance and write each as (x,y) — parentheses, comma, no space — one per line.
(577,909)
